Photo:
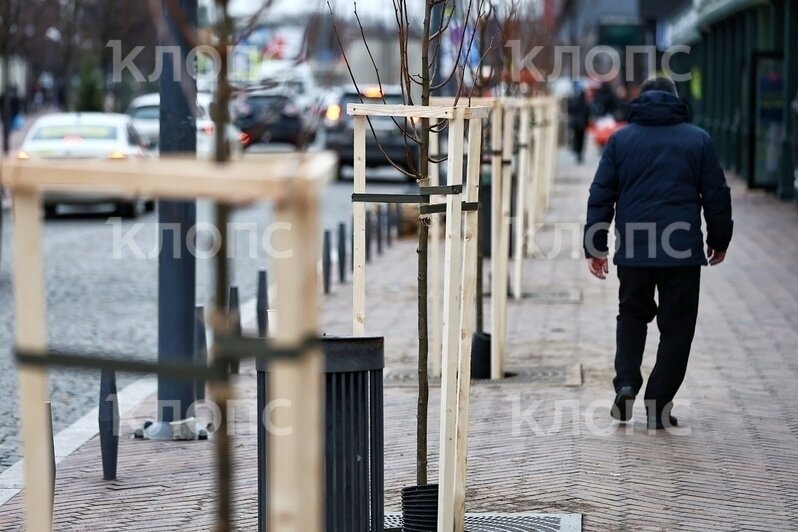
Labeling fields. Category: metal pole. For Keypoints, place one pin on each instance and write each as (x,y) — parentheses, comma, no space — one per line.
(369,235)
(380,226)
(51,437)
(326,261)
(388,225)
(342,253)
(262,399)
(263,304)
(200,349)
(234,314)
(176,265)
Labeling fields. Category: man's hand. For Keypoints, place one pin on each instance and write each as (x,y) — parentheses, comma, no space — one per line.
(715,257)
(599,267)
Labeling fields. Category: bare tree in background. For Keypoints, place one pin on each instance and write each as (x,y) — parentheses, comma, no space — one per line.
(467,17)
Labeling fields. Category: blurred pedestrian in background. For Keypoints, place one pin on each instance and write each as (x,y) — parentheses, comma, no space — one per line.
(578,120)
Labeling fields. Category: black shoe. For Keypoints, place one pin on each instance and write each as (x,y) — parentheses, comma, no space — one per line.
(657,421)
(624,401)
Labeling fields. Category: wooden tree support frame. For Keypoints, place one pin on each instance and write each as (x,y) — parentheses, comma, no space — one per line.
(435,271)
(530,148)
(459,284)
(293,182)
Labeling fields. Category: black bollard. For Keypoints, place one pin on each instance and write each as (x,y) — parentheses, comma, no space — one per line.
(200,350)
(388,226)
(49,407)
(262,398)
(369,223)
(341,253)
(326,261)
(234,310)
(108,421)
(397,220)
(263,304)
(380,226)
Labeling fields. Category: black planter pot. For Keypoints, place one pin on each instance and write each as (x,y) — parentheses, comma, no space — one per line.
(480,355)
(420,508)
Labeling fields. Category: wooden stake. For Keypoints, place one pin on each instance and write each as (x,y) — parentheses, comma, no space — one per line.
(451,326)
(434,258)
(31,336)
(497,177)
(498,338)
(359,228)
(467,320)
(533,209)
(520,204)
(296,456)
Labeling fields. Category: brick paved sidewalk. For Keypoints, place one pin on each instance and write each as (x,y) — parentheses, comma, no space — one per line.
(544,446)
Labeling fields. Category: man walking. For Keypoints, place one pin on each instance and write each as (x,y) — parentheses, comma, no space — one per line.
(655,177)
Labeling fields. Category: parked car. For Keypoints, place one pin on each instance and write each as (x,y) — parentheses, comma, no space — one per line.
(270,115)
(297,81)
(145,111)
(390,139)
(85,136)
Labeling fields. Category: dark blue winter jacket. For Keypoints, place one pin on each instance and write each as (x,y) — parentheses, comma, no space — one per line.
(654,178)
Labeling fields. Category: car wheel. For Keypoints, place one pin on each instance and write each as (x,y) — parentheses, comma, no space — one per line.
(50,211)
(149,205)
(131,209)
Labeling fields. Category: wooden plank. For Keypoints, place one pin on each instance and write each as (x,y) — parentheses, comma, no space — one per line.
(555,120)
(417,111)
(520,203)
(516,102)
(33,391)
(451,327)
(488,101)
(234,182)
(296,452)
(497,178)
(535,179)
(499,336)
(467,321)
(434,271)
(359,228)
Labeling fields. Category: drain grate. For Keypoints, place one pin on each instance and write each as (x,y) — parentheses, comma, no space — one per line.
(568,295)
(507,522)
(565,375)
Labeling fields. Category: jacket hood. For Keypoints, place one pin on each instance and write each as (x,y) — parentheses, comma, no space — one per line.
(657,108)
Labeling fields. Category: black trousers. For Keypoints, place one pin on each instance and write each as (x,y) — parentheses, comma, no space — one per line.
(676,312)
(578,141)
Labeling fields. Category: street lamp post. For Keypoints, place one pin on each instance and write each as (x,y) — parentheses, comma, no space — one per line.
(176,263)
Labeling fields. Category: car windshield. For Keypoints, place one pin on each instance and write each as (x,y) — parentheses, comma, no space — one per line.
(76,131)
(146,112)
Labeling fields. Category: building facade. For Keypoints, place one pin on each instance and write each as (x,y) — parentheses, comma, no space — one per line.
(744,65)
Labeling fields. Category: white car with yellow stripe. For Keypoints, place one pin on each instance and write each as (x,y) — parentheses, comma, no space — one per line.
(85,136)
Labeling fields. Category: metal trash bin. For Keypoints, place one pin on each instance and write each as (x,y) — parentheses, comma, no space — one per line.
(354,432)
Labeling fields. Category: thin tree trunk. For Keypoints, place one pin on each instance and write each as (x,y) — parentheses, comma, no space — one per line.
(423,237)
(423,377)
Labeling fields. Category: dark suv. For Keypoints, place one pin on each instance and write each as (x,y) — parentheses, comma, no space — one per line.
(339,133)
(270,116)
